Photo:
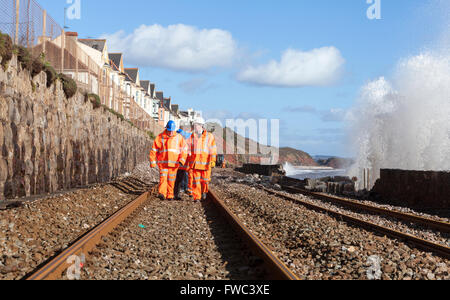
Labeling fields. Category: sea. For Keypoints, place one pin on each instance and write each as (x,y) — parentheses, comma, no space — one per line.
(302,173)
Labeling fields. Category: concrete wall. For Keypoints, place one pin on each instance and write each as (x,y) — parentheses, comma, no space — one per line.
(416,189)
(50,143)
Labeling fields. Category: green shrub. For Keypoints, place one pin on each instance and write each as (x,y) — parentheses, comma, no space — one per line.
(24,57)
(52,75)
(6,49)
(131,123)
(69,85)
(95,100)
(151,135)
(33,64)
(120,116)
(37,66)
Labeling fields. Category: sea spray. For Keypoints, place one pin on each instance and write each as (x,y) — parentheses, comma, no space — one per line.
(404,123)
(290,169)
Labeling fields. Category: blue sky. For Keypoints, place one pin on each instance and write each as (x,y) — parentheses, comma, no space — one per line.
(335,34)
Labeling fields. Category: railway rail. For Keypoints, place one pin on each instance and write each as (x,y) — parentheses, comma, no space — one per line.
(423,244)
(55,267)
(430,223)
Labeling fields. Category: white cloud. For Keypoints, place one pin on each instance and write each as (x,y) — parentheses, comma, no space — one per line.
(330,115)
(196,86)
(301,109)
(177,47)
(334,115)
(318,67)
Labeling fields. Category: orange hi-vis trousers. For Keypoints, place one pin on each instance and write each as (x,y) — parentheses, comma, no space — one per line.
(200,184)
(167,179)
(191,182)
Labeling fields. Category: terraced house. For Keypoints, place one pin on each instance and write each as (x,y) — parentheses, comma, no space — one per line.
(118,87)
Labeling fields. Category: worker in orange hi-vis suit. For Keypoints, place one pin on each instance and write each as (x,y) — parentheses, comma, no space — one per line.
(169,153)
(202,158)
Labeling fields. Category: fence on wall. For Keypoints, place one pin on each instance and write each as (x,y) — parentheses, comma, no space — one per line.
(30,26)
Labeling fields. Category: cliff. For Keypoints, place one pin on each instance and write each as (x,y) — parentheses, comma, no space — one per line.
(296,157)
(241,146)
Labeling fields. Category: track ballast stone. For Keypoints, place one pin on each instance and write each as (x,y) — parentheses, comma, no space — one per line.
(317,246)
(173,240)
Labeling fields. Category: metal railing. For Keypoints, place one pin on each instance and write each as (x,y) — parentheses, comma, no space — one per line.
(30,26)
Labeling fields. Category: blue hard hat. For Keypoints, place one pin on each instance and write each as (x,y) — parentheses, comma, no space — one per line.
(171,126)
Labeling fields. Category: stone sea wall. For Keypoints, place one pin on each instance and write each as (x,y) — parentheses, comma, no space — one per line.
(50,143)
(417,189)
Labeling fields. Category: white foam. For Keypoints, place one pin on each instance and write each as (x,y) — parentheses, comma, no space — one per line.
(405,122)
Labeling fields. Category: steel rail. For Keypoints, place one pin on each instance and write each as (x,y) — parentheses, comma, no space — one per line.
(434,224)
(438,249)
(277,269)
(55,267)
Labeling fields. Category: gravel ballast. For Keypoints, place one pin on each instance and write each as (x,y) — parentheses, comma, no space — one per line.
(176,240)
(39,229)
(317,246)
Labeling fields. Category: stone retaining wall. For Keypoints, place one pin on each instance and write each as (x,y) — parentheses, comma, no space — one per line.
(50,143)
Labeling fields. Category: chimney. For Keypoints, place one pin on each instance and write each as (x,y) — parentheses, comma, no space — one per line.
(72,35)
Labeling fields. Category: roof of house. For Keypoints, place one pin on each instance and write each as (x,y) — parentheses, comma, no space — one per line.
(132,74)
(145,84)
(184,113)
(175,108)
(166,104)
(116,60)
(160,96)
(97,44)
(152,89)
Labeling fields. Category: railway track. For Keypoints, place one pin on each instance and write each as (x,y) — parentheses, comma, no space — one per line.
(420,243)
(56,267)
(95,242)
(430,223)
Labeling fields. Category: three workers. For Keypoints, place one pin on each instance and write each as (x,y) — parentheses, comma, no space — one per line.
(183,156)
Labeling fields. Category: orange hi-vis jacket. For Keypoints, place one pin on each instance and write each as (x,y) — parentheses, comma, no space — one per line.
(168,151)
(185,167)
(202,151)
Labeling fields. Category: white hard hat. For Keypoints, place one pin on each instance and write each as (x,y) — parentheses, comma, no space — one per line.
(200,121)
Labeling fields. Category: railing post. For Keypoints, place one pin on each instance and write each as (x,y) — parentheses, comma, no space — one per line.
(16,38)
(63,46)
(75,48)
(44,30)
